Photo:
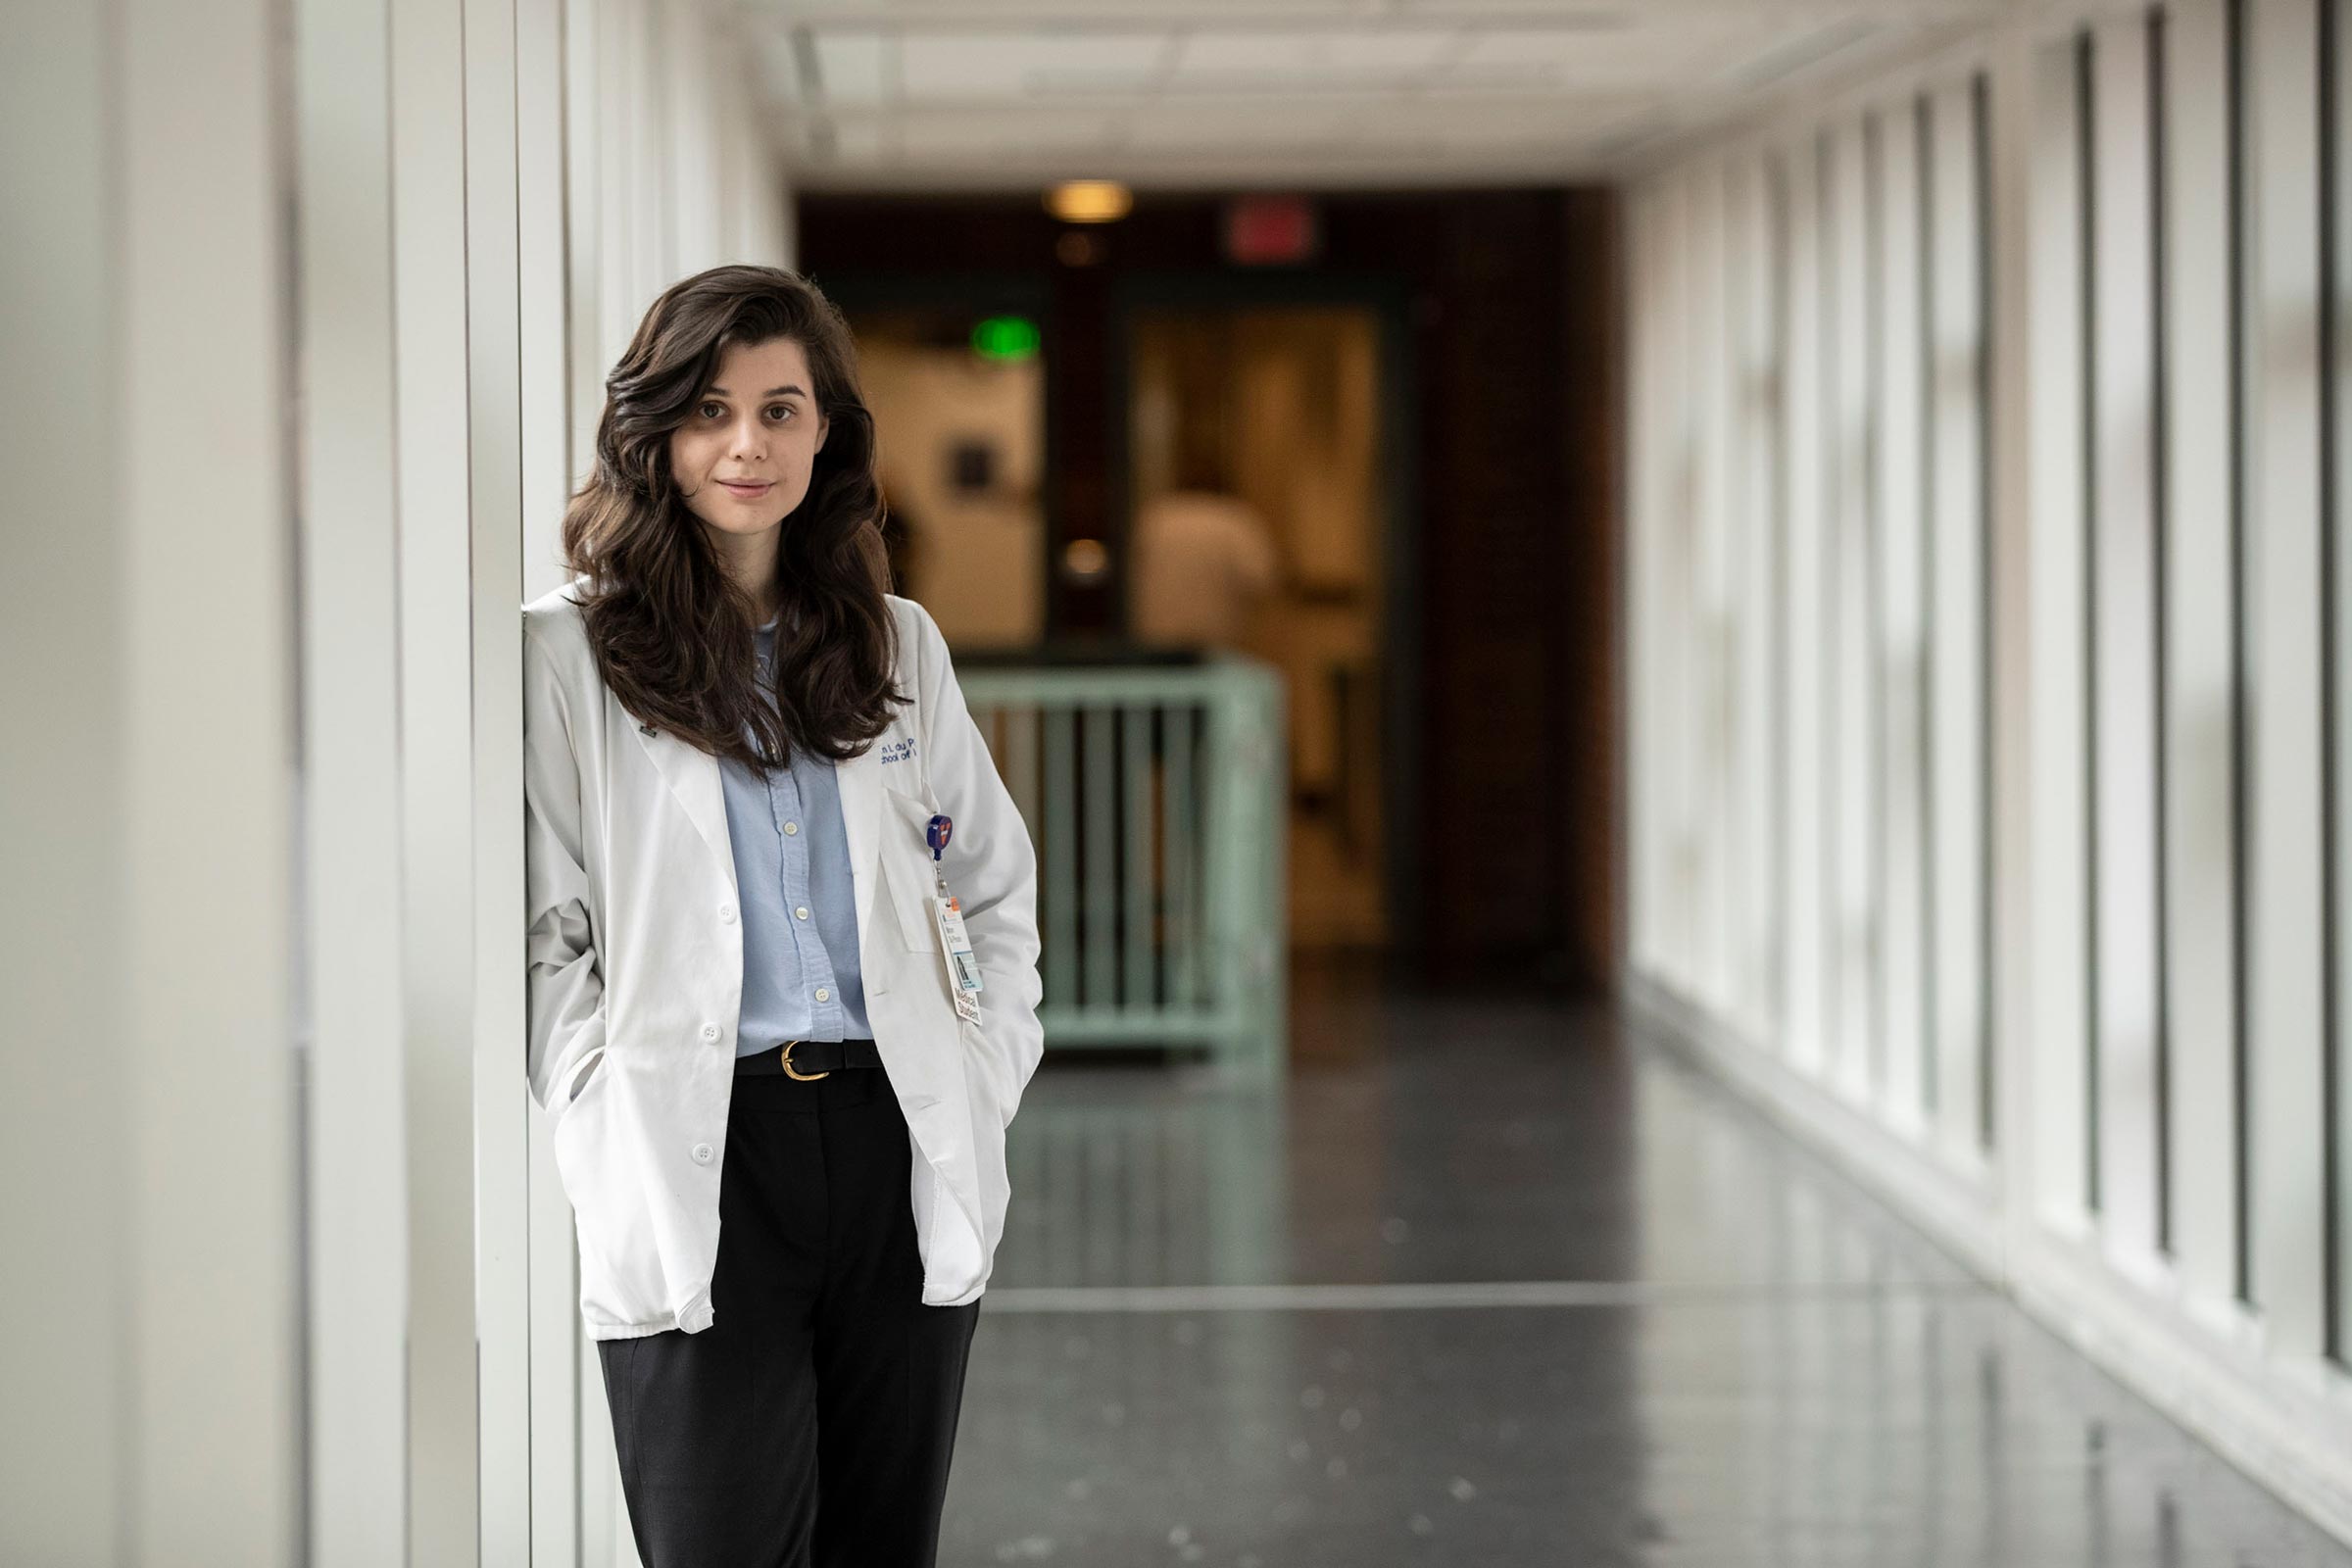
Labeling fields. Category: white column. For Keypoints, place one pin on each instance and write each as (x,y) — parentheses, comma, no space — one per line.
(70,1376)
(1852,708)
(1898,501)
(586,192)
(2123,687)
(551,1326)
(1672,786)
(500,1111)
(437,804)
(149,1132)
(1804,905)
(2201,957)
(357,1129)
(201,944)
(1754,376)
(1707,707)
(1957,633)
(2287,918)
(2054,1054)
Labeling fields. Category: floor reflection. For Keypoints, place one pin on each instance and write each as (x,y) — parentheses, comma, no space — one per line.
(1482,1286)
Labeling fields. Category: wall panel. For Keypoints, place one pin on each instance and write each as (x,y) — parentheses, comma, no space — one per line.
(1898,591)
(2200,662)
(2057,1053)
(1804,955)
(1955,610)
(1849,572)
(2122,636)
(2145,209)
(1755,547)
(2285,757)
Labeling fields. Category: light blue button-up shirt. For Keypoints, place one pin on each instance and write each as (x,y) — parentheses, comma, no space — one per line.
(800,979)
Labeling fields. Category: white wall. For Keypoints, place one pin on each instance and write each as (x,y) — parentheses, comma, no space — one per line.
(306,310)
(2025,515)
(150,1336)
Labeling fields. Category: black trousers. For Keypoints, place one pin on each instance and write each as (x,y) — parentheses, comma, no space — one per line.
(811,1425)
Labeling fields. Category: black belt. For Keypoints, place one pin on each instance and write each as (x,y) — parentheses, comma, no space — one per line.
(810,1059)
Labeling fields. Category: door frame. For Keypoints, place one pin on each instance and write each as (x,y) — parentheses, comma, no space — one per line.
(1397,476)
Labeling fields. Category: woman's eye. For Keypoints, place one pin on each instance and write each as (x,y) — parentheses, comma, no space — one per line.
(706,409)
(779,410)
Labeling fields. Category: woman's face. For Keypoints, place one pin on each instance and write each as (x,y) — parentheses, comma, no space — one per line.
(743,457)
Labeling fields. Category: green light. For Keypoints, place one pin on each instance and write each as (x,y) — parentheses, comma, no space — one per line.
(1006,337)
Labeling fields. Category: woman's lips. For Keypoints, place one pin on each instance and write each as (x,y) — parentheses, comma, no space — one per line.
(747,492)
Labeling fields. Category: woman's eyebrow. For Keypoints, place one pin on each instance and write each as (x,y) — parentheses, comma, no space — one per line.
(771,392)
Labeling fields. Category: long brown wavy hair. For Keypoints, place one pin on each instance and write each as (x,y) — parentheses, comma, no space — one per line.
(673,633)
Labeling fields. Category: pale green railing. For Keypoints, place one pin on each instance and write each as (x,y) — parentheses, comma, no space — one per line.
(1155,797)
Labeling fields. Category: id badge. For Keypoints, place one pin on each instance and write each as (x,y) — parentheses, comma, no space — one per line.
(956,950)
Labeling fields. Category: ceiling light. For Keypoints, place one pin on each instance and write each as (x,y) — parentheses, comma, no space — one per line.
(1088,201)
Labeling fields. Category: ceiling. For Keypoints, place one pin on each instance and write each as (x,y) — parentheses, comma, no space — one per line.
(1007,94)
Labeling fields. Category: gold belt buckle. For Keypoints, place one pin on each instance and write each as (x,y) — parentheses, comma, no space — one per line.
(804,1077)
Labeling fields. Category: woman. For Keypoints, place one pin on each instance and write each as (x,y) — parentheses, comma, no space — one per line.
(782,951)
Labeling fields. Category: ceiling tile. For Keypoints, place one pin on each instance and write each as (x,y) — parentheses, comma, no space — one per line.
(1344,52)
(959,137)
(1662,56)
(1203,123)
(1026,64)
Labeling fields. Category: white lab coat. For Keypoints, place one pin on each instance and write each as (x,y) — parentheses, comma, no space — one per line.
(636,971)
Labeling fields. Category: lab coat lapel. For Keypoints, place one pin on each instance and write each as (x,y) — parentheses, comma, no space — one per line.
(860,782)
(692,775)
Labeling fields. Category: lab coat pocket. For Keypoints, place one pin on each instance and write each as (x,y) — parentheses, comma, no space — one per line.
(583,1073)
(619,1271)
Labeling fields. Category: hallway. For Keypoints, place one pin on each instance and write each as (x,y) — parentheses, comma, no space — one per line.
(1829,527)
(1500,1285)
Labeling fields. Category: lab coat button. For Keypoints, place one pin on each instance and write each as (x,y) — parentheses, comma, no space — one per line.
(702,1153)
(726,912)
(710,1031)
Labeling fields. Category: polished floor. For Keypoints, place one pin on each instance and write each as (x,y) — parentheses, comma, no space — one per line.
(1485,1284)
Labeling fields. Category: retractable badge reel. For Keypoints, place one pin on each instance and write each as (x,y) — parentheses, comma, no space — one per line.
(946,913)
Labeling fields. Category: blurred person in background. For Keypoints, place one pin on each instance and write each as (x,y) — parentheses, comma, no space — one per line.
(782,951)
(1201,560)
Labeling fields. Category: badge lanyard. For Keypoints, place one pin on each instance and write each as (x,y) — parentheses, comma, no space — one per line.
(946,913)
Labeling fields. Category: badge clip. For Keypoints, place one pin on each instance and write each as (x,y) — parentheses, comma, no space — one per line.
(946,913)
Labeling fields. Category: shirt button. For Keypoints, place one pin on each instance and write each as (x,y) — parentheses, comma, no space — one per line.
(702,1153)
(726,912)
(822,993)
(710,1031)
(801,913)
(792,827)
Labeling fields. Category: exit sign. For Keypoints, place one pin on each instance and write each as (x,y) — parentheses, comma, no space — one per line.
(1268,231)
